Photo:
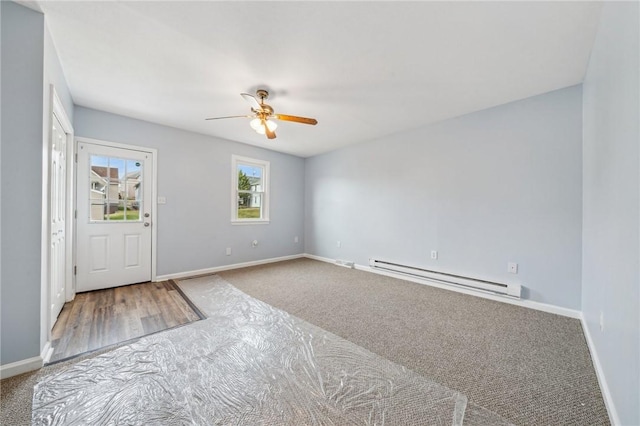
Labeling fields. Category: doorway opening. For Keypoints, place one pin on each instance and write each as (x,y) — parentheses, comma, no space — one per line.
(111,206)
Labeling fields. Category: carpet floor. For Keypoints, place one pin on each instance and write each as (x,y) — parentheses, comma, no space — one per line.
(531,367)
(248,363)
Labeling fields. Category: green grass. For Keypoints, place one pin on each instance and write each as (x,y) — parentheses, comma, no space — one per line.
(119,215)
(249,213)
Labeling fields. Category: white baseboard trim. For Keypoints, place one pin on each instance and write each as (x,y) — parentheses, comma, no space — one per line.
(19,367)
(558,310)
(26,365)
(47,352)
(320,258)
(606,393)
(215,269)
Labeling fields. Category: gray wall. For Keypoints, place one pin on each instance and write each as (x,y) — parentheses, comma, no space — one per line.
(194,174)
(611,178)
(21,169)
(53,74)
(29,65)
(495,186)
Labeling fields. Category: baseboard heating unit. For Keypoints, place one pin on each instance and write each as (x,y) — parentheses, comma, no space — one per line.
(512,290)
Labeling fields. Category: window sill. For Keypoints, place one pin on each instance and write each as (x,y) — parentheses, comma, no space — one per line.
(250,222)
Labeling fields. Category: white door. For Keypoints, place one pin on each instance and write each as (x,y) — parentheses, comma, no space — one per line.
(114,216)
(57,215)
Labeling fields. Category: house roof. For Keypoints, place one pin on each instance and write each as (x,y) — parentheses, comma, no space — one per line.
(364,70)
(102,172)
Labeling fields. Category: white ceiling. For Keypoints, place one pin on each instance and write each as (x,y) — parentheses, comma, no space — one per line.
(362,69)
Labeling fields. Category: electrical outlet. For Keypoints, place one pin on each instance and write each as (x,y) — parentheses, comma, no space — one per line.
(295,239)
(512,267)
(339,244)
(434,254)
(228,251)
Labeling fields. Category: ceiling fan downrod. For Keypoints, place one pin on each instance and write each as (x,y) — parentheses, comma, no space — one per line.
(262,94)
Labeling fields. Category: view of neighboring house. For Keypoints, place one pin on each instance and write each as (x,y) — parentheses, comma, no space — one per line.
(104,201)
(256,186)
(130,187)
(122,191)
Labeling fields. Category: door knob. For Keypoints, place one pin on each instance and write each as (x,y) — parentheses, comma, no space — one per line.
(146,224)
(146,215)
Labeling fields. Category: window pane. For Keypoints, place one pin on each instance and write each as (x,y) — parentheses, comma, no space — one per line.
(250,177)
(249,191)
(249,205)
(115,189)
(131,190)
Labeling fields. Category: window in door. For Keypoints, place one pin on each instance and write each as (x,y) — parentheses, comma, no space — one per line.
(115,189)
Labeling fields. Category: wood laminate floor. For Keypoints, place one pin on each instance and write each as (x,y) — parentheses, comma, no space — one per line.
(101,318)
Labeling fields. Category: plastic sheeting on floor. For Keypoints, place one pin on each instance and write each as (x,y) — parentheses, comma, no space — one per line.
(250,364)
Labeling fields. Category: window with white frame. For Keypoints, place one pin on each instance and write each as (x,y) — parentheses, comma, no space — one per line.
(249,190)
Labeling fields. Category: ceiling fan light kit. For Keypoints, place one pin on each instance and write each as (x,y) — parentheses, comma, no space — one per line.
(258,125)
(262,115)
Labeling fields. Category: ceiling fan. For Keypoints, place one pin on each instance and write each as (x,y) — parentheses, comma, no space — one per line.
(263,114)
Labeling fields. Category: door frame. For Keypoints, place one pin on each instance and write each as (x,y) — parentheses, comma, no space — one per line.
(55,108)
(154,195)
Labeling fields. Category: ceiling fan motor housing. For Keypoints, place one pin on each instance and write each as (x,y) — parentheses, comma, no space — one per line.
(267,111)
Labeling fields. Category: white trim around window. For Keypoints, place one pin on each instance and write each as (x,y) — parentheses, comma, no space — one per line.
(257,195)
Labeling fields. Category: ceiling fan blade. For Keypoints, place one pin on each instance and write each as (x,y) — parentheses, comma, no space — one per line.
(255,105)
(303,120)
(231,116)
(270,134)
